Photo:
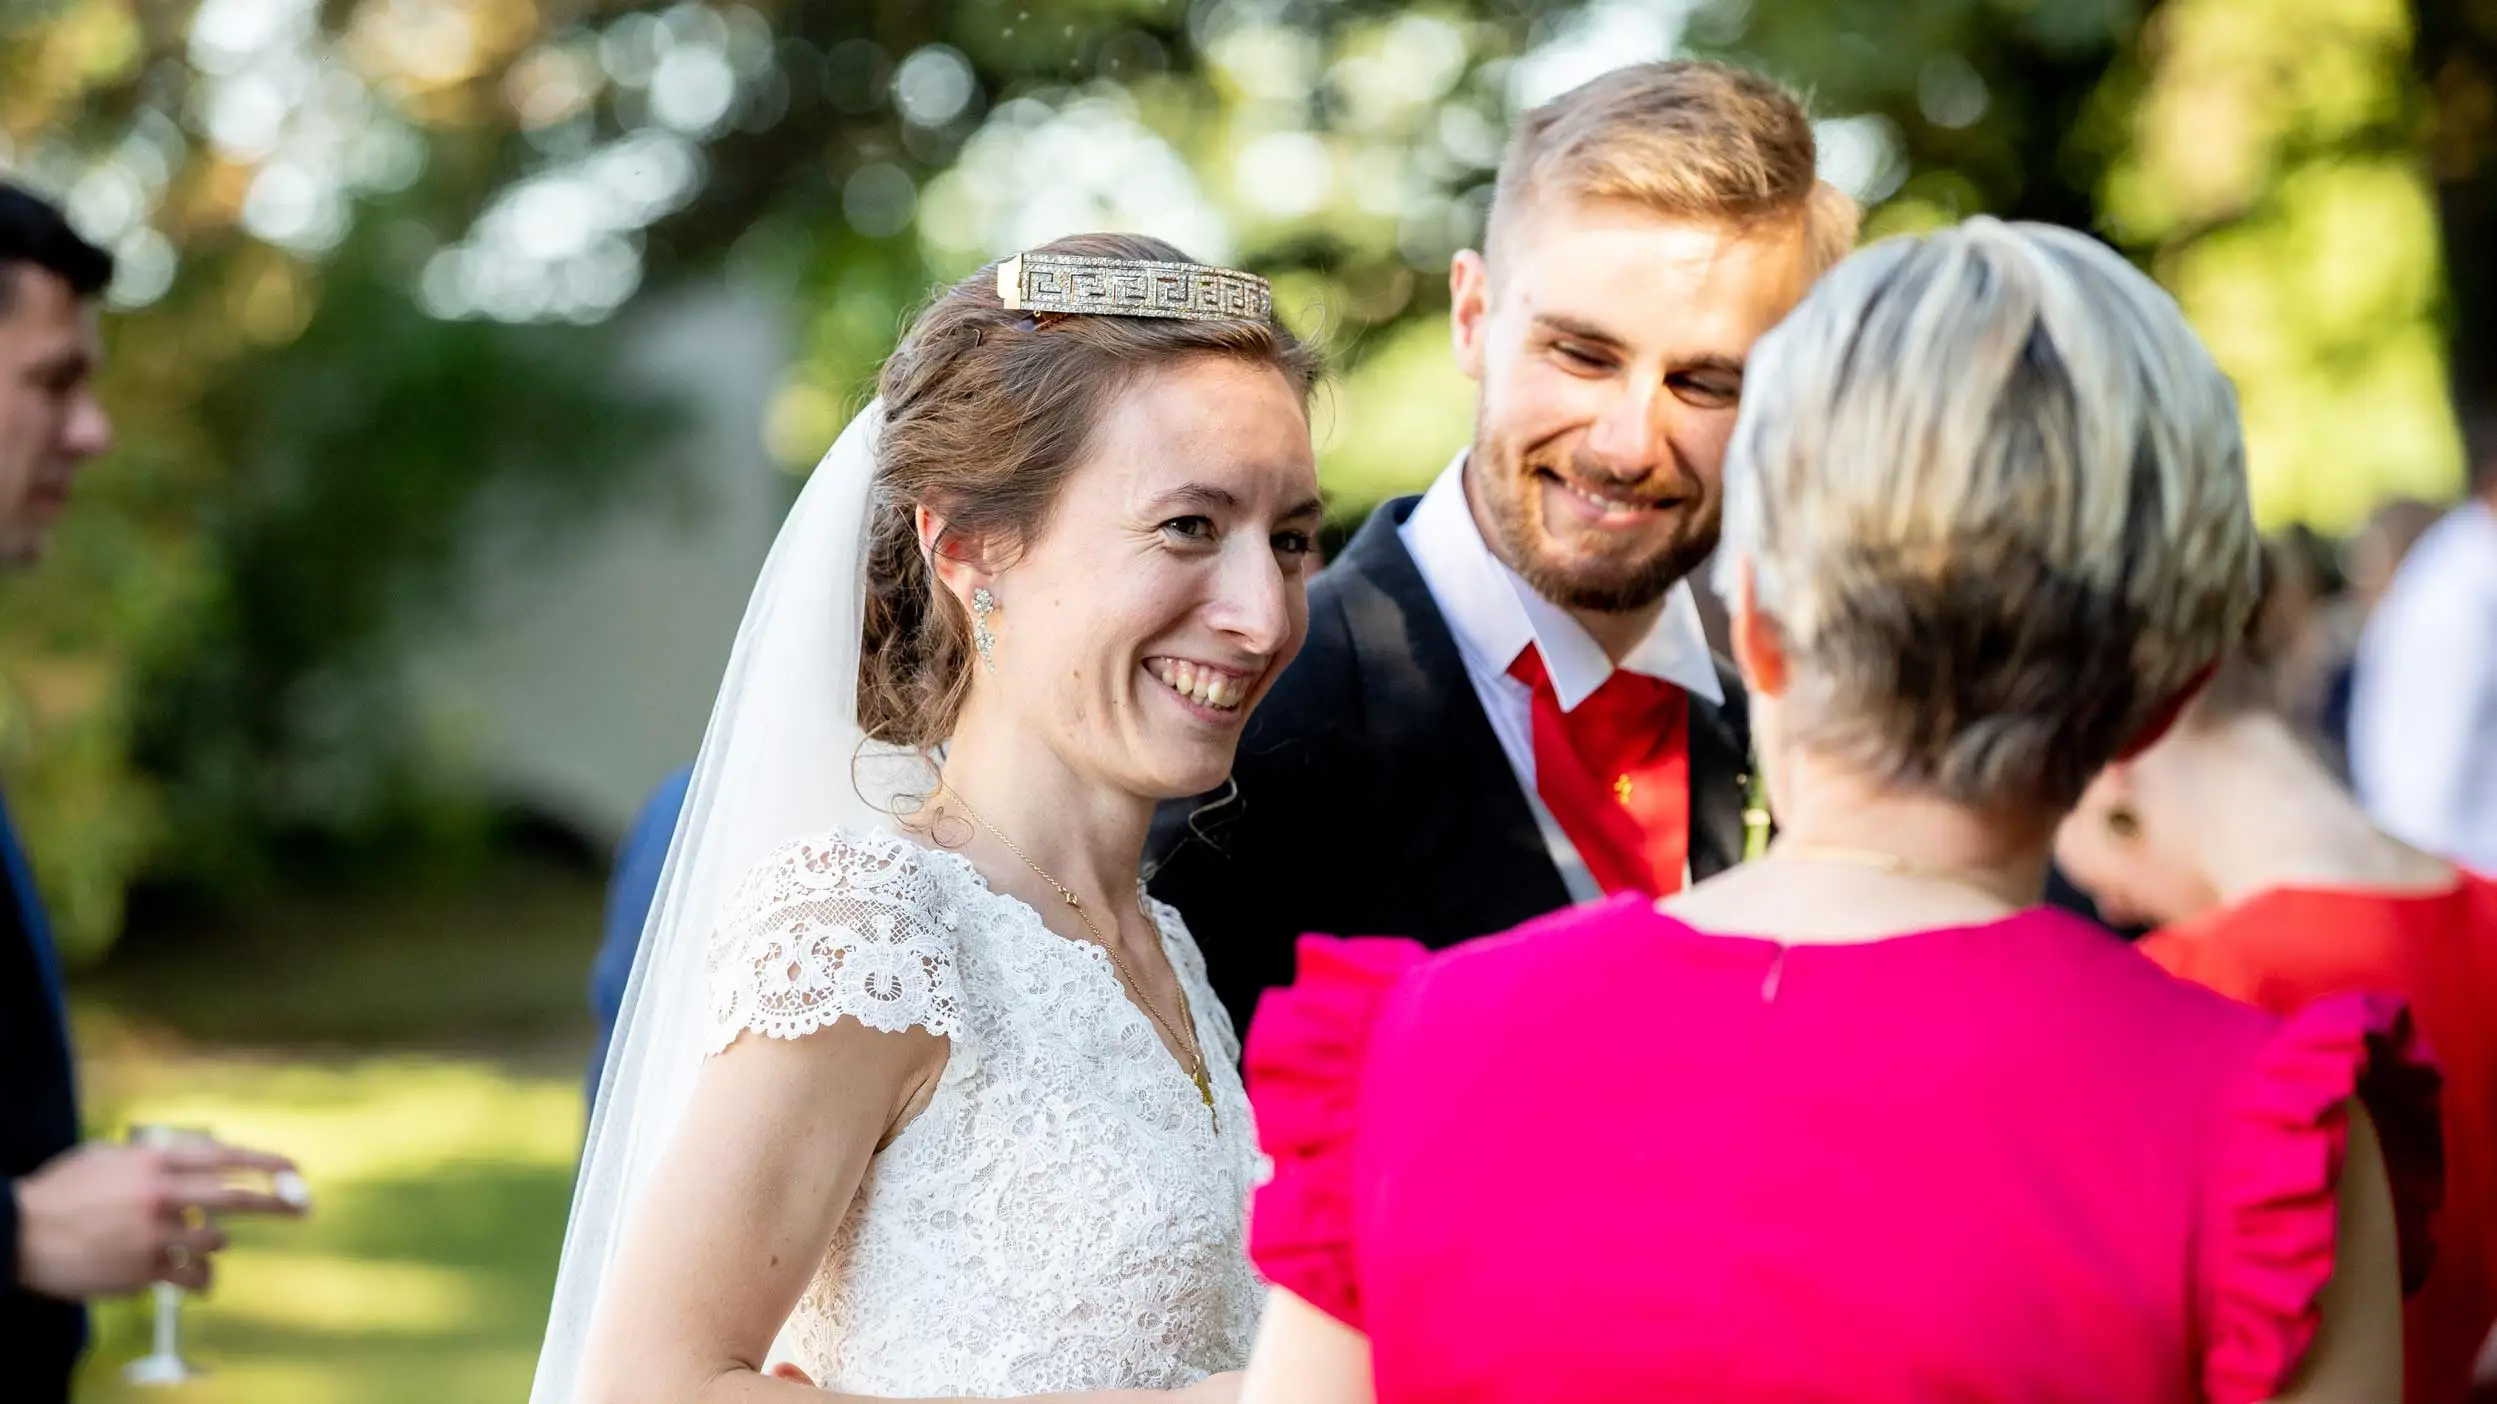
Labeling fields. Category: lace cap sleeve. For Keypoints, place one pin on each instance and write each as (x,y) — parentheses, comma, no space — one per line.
(1306,1049)
(842,925)
(2274,1217)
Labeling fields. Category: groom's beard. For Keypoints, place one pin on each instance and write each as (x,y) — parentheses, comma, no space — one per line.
(1629,572)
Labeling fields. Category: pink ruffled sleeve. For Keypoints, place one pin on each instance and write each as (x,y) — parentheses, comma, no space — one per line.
(2275,1213)
(1306,1048)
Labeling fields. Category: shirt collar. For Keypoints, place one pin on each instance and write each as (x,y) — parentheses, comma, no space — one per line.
(1495,614)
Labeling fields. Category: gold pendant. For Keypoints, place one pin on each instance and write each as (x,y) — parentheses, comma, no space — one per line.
(1205,1089)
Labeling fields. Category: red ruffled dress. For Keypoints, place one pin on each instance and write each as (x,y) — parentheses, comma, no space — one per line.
(1609,1157)
(2289,946)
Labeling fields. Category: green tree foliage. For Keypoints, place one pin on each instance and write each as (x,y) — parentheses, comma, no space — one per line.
(205,675)
(364,445)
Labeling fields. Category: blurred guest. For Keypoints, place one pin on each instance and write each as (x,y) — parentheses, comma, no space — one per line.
(78,1221)
(631,888)
(2368,563)
(2376,552)
(1507,696)
(2301,611)
(2274,887)
(2423,712)
(1858,1120)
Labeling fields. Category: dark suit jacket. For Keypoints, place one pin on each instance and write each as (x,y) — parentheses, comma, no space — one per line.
(40,1337)
(1373,797)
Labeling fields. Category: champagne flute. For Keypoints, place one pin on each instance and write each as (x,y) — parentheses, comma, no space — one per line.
(163,1364)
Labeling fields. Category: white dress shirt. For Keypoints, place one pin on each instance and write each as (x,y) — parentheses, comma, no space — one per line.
(2423,712)
(1494,615)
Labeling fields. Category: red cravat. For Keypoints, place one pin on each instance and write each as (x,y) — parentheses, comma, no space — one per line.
(1616,772)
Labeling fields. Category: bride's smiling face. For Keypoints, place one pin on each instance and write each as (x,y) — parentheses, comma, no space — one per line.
(1167,587)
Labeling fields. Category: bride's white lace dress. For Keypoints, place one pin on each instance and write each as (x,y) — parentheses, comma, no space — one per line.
(1063,1214)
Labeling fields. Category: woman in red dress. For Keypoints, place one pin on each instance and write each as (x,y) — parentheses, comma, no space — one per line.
(1861,1121)
(2271,885)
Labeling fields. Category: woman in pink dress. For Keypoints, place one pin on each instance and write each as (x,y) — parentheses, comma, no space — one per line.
(1860,1121)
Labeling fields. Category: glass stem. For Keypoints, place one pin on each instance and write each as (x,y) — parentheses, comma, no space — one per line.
(168,1320)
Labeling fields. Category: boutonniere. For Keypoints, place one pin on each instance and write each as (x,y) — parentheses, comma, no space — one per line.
(1756,822)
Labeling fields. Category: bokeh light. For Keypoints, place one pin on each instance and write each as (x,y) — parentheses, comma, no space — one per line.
(1043,167)
(934,85)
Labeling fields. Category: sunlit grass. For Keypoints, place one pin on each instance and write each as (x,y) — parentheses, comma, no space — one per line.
(418,1051)
(289,1291)
(440,1187)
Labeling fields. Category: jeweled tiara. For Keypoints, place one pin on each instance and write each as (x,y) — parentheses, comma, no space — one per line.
(1131,287)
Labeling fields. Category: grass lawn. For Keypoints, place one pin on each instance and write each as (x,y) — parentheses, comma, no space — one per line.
(439,1149)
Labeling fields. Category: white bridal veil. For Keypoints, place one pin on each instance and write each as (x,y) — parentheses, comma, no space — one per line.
(783,758)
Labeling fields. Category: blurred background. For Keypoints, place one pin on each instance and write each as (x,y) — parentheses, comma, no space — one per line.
(466,352)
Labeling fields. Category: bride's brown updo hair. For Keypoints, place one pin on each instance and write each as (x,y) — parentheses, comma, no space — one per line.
(985,412)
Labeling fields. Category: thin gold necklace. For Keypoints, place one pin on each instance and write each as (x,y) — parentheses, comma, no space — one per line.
(1882,860)
(1194,1067)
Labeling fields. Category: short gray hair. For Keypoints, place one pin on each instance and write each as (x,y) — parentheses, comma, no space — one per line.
(1993,494)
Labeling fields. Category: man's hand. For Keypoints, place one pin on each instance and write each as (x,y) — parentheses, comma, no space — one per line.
(104,1218)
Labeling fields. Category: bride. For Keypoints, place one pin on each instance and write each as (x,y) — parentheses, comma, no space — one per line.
(919,1093)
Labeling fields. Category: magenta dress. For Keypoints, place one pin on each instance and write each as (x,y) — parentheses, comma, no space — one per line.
(1608,1157)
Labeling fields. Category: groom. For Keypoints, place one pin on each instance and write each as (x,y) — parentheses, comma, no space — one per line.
(1506,703)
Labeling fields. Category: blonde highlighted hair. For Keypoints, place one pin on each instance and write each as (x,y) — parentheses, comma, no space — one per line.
(1687,138)
(1992,493)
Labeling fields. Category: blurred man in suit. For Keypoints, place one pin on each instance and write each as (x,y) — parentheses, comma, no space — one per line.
(77,1221)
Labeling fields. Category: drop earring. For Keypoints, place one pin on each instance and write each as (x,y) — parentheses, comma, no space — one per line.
(984,604)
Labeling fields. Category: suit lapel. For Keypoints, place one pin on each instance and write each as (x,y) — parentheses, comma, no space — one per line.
(1446,783)
(26,913)
(1463,798)
(1720,779)
(27,908)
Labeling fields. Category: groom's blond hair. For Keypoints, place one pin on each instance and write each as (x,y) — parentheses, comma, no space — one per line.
(1688,138)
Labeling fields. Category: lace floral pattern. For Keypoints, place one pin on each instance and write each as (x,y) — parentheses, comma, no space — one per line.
(1063,1215)
(827,928)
